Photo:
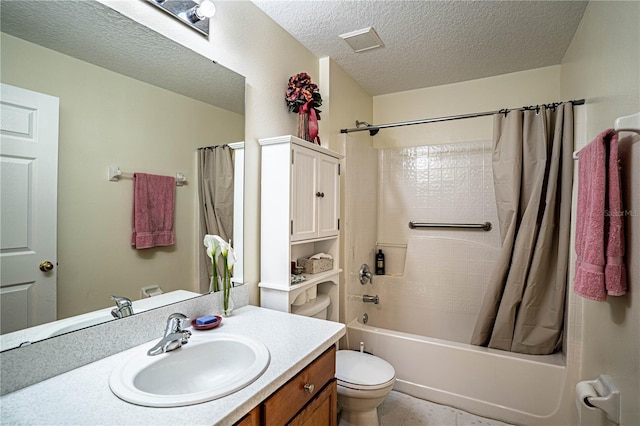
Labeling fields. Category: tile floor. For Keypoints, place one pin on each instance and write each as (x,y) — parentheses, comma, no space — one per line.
(399,409)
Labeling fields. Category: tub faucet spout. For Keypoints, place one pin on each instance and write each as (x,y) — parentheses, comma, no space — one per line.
(367,298)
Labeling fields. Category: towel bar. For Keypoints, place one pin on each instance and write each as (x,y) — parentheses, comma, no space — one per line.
(115,174)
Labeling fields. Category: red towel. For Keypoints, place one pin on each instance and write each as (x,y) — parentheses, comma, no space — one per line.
(599,225)
(153,199)
(615,274)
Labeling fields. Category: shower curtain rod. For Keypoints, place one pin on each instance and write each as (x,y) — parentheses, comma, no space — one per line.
(373,129)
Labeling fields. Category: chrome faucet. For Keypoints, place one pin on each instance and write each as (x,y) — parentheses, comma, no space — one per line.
(123,308)
(366,298)
(174,335)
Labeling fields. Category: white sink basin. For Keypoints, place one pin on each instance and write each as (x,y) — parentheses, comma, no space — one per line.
(210,366)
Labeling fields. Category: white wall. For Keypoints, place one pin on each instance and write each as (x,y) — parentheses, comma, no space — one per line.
(602,65)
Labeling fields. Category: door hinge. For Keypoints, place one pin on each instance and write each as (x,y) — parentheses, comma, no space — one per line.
(291,227)
(292,157)
(338,224)
(338,169)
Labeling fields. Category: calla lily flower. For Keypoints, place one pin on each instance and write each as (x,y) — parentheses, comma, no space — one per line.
(216,247)
(231,258)
(212,242)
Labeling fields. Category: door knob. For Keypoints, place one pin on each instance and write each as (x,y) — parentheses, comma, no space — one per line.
(46,266)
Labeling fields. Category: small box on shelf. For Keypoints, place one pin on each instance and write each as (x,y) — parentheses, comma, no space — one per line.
(314,266)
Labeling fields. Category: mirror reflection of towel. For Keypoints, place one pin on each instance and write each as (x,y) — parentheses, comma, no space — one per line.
(153,204)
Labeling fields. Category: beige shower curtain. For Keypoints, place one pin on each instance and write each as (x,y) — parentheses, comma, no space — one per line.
(215,194)
(523,308)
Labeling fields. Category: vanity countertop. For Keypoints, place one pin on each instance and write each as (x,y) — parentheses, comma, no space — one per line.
(82,396)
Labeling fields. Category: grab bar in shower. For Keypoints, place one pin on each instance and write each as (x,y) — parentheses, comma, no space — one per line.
(484,226)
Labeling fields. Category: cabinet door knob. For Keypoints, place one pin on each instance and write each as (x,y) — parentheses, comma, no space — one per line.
(308,387)
(319,194)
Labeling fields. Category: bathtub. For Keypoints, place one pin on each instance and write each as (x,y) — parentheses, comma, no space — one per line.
(514,388)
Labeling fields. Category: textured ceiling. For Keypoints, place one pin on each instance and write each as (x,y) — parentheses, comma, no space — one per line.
(430,43)
(97,34)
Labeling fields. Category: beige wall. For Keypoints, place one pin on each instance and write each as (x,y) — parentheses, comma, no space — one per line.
(348,103)
(531,87)
(107,118)
(602,65)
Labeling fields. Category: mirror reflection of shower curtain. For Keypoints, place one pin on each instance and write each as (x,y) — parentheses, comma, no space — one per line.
(523,307)
(215,196)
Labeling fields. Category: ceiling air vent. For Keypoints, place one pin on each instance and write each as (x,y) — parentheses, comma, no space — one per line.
(361,40)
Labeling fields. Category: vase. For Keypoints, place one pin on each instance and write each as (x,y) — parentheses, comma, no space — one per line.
(227,300)
(303,126)
(212,289)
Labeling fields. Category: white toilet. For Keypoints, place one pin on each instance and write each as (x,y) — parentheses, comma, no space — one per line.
(364,381)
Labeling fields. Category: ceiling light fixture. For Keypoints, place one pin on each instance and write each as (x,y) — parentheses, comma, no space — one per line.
(194,13)
(362,40)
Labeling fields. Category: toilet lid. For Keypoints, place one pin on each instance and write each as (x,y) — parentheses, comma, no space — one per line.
(362,369)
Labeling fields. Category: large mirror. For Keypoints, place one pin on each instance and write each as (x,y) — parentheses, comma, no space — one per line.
(128,97)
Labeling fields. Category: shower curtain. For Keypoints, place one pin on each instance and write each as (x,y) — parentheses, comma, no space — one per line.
(215,196)
(523,308)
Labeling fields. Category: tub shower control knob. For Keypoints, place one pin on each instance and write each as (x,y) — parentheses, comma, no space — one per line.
(308,387)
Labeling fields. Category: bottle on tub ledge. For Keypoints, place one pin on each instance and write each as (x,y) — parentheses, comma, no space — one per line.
(380,263)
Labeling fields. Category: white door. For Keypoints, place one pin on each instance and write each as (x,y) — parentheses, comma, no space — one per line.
(28,204)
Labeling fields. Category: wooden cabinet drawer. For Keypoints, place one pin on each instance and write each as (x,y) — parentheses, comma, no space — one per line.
(290,398)
(322,410)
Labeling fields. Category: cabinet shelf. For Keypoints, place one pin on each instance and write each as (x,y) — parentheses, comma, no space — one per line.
(312,279)
(313,240)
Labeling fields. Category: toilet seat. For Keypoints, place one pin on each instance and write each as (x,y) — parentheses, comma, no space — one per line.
(361,371)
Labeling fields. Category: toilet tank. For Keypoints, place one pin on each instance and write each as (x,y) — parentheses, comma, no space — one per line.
(316,308)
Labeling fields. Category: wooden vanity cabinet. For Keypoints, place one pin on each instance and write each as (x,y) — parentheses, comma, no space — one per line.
(308,399)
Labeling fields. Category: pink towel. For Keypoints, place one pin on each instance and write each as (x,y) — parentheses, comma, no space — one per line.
(153,199)
(599,226)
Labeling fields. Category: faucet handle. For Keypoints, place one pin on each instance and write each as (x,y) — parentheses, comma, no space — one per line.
(365,274)
(124,307)
(121,302)
(175,323)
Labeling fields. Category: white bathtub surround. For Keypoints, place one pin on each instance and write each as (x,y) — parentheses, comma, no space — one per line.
(440,293)
(450,183)
(515,388)
(85,397)
(400,409)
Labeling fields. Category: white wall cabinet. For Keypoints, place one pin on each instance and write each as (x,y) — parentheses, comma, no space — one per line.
(300,205)
(314,194)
